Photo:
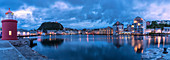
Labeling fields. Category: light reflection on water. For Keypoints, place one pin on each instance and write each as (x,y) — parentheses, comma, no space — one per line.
(97,46)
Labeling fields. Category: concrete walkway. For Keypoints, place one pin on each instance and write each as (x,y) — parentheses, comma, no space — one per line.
(155,54)
(9,52)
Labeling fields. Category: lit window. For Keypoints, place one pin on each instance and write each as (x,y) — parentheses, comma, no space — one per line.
(132,26)
(28,33)
(133,31)
(139,24)
(18,32)
(23,33)
(10,32)
(135,21)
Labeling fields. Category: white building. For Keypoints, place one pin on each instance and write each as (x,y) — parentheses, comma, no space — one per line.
(147,31)
(166,30)
(158,30)
(117,28)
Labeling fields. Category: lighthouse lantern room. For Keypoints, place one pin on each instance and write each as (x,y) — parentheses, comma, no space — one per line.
(9,26)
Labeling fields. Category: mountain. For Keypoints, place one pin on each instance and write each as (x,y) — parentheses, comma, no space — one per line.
(51,26)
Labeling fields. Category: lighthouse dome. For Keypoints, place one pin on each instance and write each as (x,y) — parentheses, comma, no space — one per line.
(9,11)
(9,15)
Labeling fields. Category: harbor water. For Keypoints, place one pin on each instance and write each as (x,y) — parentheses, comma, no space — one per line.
(100,47)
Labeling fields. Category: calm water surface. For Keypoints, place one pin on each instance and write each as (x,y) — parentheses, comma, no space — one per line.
(99,47)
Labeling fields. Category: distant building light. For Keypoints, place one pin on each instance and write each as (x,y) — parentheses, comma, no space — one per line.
(133,31)
(23,33)
(28,33)
(18,32)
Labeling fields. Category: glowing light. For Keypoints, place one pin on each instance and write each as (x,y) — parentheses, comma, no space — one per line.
(139,46)
(87,38)
(135,48)
(23,33)
(163,41)
(132,26)
(159,41)
(28,33)
(133,41)
(18,32)
(149,41)
(139,24)
(159,31)
(133,31)
(135,21)
(10,32)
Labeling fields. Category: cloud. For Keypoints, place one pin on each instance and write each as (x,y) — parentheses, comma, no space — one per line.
(25,12)
(25,25)
(89,24)
(84,13)
(65,6)
(155,11)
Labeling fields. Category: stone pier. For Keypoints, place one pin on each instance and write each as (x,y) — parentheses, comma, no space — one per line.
(155,54)
(18,50)
(9,52)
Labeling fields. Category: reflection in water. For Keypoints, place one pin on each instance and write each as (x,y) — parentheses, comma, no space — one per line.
(138,42)
(52,42)
(33,45)
(87,38)
(103,46)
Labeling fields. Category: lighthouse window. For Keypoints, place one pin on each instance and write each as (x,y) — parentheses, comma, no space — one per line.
(10,32)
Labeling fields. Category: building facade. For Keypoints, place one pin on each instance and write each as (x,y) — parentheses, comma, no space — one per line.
(139,26)
(166,30)
(118,28)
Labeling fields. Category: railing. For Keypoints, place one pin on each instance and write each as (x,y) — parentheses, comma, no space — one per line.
(8,17)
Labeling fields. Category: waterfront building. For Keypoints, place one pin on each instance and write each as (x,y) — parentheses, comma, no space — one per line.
(51,31)
(129,28)
(166,30)
(126,31)
(147,31)
(163,22)
(96,31)
(32,32)
(158,30)
(109,30)
(9,26)
(22,32)
(138,26)
(105,31)
(118,28)
(79,32)
(102,31)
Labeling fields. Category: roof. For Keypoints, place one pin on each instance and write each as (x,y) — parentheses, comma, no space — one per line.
(138,18)
(117,23)
(8,11)
(167,27)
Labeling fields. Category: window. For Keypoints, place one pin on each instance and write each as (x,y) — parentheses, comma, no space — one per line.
(10,32)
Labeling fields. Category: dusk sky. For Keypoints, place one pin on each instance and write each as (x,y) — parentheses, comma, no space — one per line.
(84,13)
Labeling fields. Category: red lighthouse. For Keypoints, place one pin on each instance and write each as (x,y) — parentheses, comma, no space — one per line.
(9,26)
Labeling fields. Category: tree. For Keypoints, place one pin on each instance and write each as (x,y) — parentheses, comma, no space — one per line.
(154,25)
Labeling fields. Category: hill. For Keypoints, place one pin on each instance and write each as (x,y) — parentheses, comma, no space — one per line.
(51,26)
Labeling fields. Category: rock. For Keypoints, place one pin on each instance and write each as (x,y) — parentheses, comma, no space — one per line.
(145,56)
